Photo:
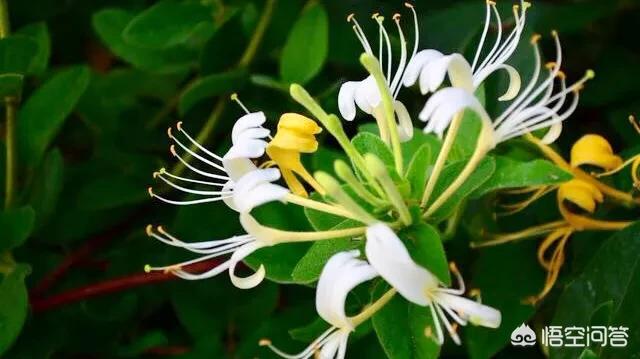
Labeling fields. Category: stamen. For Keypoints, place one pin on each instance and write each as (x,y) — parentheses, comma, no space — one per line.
(198,171)
(197,156)
(360,34)
(416,29)
(234,97)
(163,171)
(198,145)
(485,30)
(188,190)
(634,123)
(395,84)
(379,19)
(184,203)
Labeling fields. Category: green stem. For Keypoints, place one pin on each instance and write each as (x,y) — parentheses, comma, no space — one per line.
(373,308)
(320,206)
(245,61)
(483,146)
(373,66)
(442,158)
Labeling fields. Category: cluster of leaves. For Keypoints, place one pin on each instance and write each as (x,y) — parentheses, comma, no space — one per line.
(97,83)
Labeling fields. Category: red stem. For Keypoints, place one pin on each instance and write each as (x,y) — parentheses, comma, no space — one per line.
(112,286)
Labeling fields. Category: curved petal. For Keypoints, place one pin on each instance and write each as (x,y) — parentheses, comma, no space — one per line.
(236,165)
(515,82)
(415,65)
(594,150)
(458,69)
(250,120)
(367,95)
(476,313)
(444,104)
(405,126)
(255,189)
(553,134)
(342,272)
(229,201)
(346,100)
(388,255)
(237,256)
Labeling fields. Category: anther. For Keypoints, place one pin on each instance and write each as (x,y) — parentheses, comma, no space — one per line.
(172,149)
(376,15)
(234,97)
(149,230)
(589,74)
(475,293)
(396,17)
(156,174)
(147,268)
(264,342)
(179,126)
(561,75)
(150,190)
(169,133)
(634,123)
(409,5)
(550,65)
(162,170)
(160,230)
(350,17)
(491,3)
(453,267)
(535,38)
(526,5)
(554,33)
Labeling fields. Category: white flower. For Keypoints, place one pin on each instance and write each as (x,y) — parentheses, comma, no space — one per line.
(342,272)
(430,67)
(242,185)
(541,104)
(365,94)
(388,255)
(239,247)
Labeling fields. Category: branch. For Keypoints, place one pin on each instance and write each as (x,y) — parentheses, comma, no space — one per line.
(113,286)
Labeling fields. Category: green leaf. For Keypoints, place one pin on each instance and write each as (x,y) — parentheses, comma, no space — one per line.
(450,172)
(466,138)
(40,34)
(417,173)
(366,142)
(401,327)
(505,275)
(110,23)
(168,23)
(154,338)
(588,354)
(44,194)
(14,303)
(425,246)
(419,139)
(210,86)
(511,173)
(44,112)
(11,85)
(17,54)
(310,266)
(612,275)
(15,227)
(307,46)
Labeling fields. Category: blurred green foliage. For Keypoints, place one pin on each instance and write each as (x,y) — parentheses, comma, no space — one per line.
(97,83)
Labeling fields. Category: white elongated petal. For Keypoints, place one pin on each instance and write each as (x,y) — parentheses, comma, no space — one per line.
(433,73)
(514,84)
(342,272)
(552,135)
(388,255)
(255,188)
(250,120)
(472,311)
(229,201)
(237,256)
(415,65)
(237,166)
(405,126)
(444,104)
(367,95)
(346,100)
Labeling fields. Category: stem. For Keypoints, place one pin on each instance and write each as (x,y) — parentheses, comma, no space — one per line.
(373,66)
(482,147)
(10,169)
(4,19)
(373,308)
(622,197)
(112,286)
(290,237)
(245,60)
(527,233)
(319,206)
(442,158)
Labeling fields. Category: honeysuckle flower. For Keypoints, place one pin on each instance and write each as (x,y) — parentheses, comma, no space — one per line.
(581,194)
(390,258)
(430,67)
(366,94)
(257,236)
(295,135)
(342,272)
(634,161)
(241,185)
(594,150)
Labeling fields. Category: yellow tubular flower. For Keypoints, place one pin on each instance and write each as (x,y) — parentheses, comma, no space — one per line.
(295,135)
(594,150)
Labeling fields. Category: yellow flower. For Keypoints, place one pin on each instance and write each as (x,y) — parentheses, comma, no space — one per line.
(295,135)
(594,150)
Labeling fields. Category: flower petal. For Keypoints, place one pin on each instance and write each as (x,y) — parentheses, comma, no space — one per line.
(255,189)
(346,100)
(476,313)
(237,256)
(250,120)
(388,255)
(405,126)
(415,65)
(340,275)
